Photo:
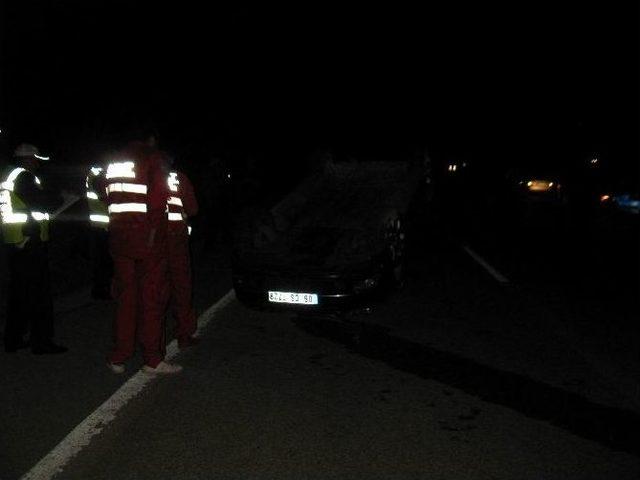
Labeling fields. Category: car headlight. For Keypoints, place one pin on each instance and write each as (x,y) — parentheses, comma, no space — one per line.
(540,185)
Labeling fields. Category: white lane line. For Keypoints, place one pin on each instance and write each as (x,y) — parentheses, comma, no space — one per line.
(55,461)
(494,273)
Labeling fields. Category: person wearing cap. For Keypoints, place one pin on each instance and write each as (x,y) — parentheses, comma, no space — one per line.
(25,206)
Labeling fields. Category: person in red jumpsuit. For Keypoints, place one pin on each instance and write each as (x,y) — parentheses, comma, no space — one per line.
(181,204)
(136,195)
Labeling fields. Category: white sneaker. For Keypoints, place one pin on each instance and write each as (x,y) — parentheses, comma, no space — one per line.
(117,368)
(163,368)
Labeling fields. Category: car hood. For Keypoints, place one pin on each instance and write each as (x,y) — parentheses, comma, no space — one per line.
(317,248)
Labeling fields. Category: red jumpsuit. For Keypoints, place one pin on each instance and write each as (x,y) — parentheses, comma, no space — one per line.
(137,190)
(182,203)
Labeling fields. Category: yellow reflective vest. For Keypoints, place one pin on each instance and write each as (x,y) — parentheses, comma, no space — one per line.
(15,213)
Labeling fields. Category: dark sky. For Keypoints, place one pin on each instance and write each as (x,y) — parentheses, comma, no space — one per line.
(471,77)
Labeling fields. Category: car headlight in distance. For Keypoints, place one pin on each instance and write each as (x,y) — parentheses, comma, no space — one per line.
(540,185)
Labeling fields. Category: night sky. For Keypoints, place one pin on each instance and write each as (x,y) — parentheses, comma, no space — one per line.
(496,81)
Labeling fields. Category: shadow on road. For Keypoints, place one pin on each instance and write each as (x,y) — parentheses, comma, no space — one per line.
(615,428)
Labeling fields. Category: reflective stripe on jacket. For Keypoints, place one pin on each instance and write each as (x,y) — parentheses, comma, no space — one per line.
(98,213)
(136,189)
(136,194)
(181,203)
(126,191)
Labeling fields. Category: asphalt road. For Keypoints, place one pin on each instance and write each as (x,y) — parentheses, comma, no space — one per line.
(459,375)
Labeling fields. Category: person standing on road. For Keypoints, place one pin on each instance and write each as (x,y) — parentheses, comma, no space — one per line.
(136,195)
(102,265)
(24,209)
(181,204)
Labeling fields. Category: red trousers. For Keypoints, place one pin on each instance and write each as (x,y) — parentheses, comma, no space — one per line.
(141,290)
(180,285)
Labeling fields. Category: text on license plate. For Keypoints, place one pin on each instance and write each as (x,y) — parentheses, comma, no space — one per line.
(292,297)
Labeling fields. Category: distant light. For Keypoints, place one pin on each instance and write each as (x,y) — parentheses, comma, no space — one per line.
(539,185)
(594,161)
(229,176)
(604,198)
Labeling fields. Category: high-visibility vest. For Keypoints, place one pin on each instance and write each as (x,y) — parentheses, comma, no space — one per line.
(126,192)
(15,213)
(98,212)
(175,208)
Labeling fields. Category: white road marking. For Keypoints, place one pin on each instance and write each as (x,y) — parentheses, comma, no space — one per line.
(54,462)
(494,273)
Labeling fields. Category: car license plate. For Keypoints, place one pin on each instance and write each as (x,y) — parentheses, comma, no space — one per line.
(293,297)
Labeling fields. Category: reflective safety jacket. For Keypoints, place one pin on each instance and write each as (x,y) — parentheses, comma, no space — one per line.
(181,203)
(136,194)
(15,213)
(98,212)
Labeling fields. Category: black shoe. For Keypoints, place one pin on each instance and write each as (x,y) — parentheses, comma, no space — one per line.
(48,349)
(14,347)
